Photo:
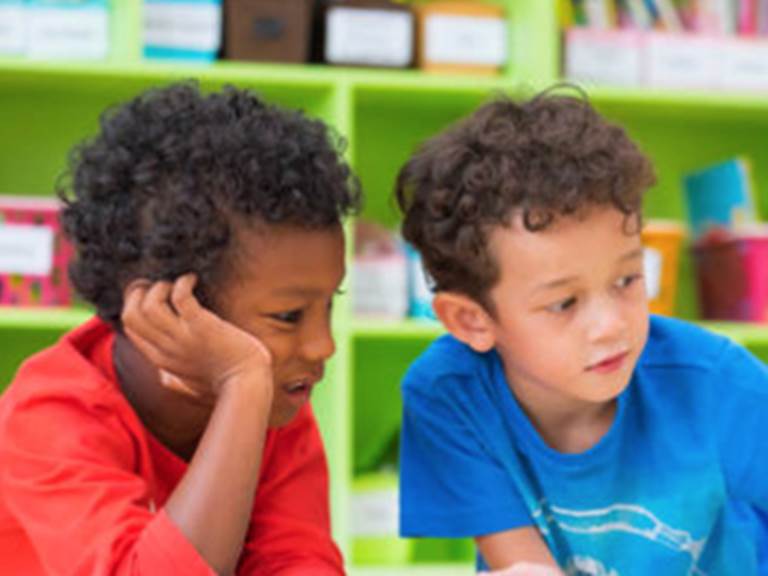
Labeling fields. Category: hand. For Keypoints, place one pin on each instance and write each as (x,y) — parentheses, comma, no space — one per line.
(196,351)
(525,569)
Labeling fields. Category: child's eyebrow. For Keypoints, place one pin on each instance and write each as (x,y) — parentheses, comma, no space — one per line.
(298,292)
(304,291)
(633,254)
(556,283)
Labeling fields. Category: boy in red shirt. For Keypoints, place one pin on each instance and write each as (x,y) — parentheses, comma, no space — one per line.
(173,433)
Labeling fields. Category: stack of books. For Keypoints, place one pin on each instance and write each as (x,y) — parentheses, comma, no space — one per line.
(704,44)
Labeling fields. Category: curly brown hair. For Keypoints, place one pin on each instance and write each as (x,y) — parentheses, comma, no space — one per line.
(550,156)
(161,189)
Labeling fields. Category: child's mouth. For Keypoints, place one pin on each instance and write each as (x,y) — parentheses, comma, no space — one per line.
(610,364)
(299,392)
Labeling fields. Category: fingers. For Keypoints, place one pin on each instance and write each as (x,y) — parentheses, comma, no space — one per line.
(525,569)
(183,298)
(194,347)
(158,357)
(146,312)
(156,305)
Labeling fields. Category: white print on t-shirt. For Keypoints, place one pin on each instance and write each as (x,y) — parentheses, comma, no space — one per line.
(628,518)
(585,566)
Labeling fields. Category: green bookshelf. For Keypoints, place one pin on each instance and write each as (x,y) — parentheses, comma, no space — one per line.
(435,570)
(45,108)
(23,331)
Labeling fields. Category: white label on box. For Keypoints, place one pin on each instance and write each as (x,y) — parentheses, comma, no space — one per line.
(375,513)
(68,32)
(26,249)
(682,61)
(465,40)
(745,64)
(12,29)
(369,36)
(192,26)
(652,263)
(603,58)
(379,286)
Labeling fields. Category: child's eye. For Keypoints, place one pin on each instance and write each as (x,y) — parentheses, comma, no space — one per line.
(562,305)
(627,281)
(292,317)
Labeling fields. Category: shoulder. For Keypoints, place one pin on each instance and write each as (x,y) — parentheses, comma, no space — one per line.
(445,361)
(678,344)
(450,382)
(65,382)
(695,358)
(78,361)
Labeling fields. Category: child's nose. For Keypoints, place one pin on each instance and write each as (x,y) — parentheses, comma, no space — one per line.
(319,344)
(607,321)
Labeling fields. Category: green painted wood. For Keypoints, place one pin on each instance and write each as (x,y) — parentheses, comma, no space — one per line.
(26,331)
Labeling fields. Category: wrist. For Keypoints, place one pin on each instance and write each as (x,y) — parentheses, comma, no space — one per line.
(255,381)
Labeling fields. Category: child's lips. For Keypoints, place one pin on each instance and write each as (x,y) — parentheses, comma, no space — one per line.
(301,393)
(610,364)
(298,394)
(300,389)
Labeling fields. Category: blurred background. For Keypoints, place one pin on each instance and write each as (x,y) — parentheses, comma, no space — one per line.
(687,78)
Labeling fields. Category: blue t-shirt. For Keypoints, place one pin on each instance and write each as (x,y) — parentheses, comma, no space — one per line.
(677,486)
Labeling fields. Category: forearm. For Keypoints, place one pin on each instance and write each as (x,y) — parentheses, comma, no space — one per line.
(212,503)
(504,552)
(525,569)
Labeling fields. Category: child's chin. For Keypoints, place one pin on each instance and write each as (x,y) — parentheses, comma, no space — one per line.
(607,393)
(282,416)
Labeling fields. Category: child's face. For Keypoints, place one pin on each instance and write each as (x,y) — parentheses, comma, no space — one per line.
(282,283)
(572,316)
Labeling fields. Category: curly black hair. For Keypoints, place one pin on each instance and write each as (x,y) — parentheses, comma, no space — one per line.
(550,156)
(158,192)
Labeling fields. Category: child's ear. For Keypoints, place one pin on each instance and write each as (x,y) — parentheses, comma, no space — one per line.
(465,319)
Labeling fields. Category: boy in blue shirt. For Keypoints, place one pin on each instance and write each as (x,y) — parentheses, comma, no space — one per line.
(557,423)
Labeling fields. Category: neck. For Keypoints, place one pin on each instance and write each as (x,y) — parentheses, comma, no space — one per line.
(568,426)
(175,420)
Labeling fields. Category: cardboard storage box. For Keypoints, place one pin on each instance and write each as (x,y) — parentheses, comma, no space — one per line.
(368,33)
(461,37)
(34,256)
(268,30)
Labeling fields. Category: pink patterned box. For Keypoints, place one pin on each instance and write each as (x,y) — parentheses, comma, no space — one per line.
(34,255)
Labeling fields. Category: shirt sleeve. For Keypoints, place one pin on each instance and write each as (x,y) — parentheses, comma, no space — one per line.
(67,476)
(741,416)
(450,486)
(290,532)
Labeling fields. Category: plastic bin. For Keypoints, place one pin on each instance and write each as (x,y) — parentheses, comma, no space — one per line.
(732,275)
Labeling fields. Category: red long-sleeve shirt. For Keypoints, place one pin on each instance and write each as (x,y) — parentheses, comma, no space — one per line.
(83,483)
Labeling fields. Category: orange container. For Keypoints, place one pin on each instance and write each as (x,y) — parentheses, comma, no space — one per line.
(461,37)
(662,240)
